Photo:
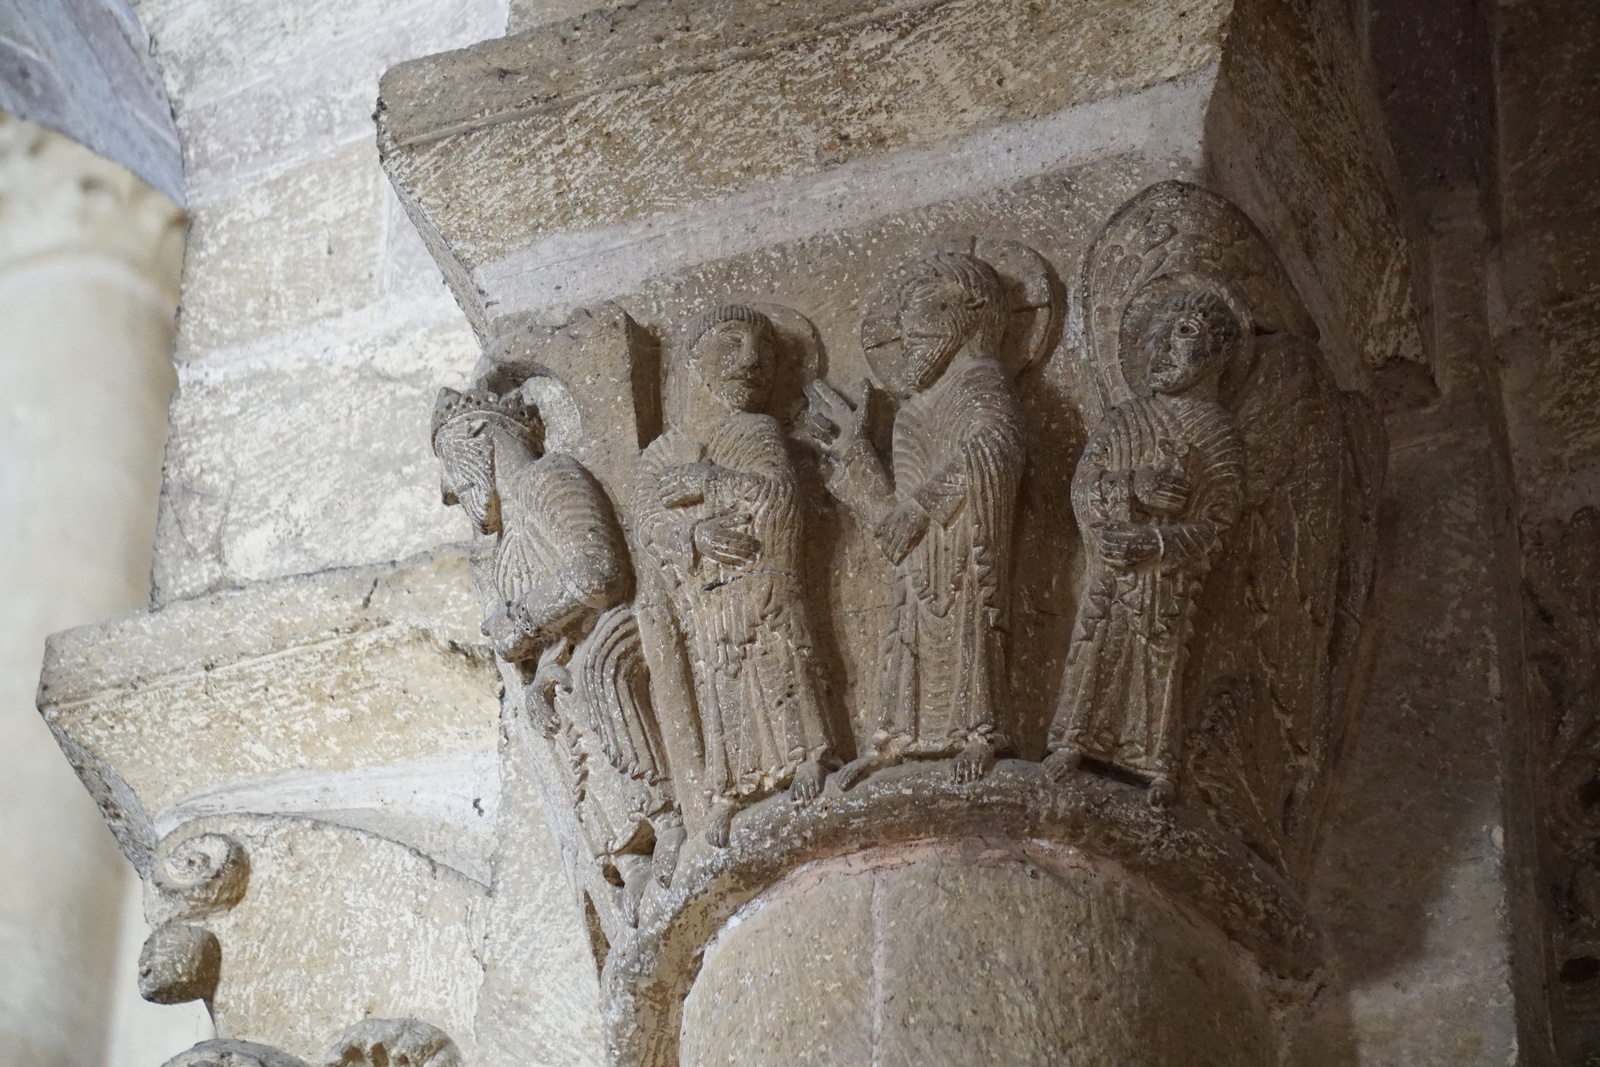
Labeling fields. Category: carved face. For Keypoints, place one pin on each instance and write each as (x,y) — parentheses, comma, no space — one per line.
(1190,336)
(935,321)
(734,360)
(466,451)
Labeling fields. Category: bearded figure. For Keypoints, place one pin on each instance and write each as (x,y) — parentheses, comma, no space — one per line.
(558,560)
(722,514)
(942,514)
(1158,486)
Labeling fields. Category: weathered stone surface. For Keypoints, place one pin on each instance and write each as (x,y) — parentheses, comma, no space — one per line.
(397,1042)
(1296,139)
(1180,852)
(179,963)
(1026,90)
(296,248)
(915,952)
(308,949)
(297,260)
(540,997)
(244,499)
(810,934)
(289,697)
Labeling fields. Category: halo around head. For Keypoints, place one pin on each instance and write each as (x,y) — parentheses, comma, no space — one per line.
(1178,235)
(1034,296)
(797,356)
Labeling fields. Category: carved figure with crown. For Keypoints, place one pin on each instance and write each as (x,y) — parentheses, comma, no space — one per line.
(558,559)
(722,513)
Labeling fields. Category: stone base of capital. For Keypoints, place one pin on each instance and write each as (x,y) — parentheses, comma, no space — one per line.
(912,919)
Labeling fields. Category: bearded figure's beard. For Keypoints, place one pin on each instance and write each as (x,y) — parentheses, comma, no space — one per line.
(927,355)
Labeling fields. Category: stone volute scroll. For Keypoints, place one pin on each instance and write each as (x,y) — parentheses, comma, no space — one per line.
(721,511)
(941,511)
(193,876)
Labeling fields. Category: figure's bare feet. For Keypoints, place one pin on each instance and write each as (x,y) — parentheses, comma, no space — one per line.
(664,860)
(1162,793)
(720,826)
(853,772)
(807,782)
(974,761)
(1062,762)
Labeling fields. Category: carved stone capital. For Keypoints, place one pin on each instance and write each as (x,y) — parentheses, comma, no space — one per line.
(393,1043)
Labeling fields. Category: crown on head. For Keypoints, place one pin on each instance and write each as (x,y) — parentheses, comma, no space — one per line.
(481,403)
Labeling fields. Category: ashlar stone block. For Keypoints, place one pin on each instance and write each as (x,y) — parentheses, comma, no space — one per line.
(289,696)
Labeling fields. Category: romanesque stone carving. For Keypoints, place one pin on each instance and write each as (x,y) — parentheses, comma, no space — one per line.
(558,558)
(394,1043)
(1157,488)
(1561,578)
(1230,520)
(721,512)
(661,666)
(201,874)
(941,513)
(230,1053)
(553,586)
(179,962)
(195,876)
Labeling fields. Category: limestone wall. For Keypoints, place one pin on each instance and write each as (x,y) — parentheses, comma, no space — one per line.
(88,286)
(314,327)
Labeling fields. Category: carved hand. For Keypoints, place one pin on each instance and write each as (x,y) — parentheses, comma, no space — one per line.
(901,529)
(685,485)
(721,539)
(832,424)
(1164,490)
(1127,544)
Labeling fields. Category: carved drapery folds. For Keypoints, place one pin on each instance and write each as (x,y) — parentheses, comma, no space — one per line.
(650,582)
(1562,628)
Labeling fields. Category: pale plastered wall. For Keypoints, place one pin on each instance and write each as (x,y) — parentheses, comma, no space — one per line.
(88,271)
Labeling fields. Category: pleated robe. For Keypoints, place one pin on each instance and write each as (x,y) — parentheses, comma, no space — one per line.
(746,625)
(958,451)
(1120,698)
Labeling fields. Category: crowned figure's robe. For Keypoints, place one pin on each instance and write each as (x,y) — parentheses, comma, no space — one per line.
(1125,664)
(958,453)
(560,560)
(745,624)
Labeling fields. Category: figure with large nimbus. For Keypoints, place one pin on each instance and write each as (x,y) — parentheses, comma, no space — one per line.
(942,513)
(722,514)
(1158,486)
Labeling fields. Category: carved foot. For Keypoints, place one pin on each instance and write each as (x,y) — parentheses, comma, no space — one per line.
(974,761)
(669,841)
(1162,793)
(807,782)
(721,824)
(1062,762)
(855,771)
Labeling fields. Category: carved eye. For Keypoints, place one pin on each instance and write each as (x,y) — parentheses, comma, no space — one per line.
(1188,328)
